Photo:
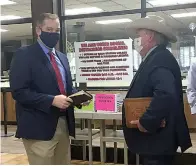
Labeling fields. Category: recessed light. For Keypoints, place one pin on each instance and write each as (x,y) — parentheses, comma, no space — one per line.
(9,17)
(3,30)
(116,21)
(87,10)
(169,2)
(6,2)
(180,15)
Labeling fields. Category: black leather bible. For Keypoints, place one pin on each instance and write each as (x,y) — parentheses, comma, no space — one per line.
(80,97)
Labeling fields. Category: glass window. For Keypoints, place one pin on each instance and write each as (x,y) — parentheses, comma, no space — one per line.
(75,7)
(99,29)
(17,9)
(186,56)
(183,23)
(13,37)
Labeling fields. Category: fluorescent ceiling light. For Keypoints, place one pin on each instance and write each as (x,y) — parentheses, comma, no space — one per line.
(117,21)
(87,10)
(180,15)
(3,30)
(6,2)
(9,17)
(169,2)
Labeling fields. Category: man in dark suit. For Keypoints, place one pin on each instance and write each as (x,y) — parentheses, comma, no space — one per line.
(163,127)
(40,80)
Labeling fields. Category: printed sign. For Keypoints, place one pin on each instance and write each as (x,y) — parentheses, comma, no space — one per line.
(109,60)
(105,102)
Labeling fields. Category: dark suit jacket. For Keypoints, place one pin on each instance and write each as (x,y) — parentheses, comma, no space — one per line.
(34,85)
(158,77)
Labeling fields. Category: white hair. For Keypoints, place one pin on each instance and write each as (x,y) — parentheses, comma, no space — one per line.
(159,38)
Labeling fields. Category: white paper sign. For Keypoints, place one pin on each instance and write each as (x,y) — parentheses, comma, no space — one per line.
(109,60)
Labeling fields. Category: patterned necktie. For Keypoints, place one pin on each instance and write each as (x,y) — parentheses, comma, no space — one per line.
(57,72)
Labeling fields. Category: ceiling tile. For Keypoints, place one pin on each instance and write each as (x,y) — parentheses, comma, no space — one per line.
(5,11)
(20,2)
(102,4)
(16,7)
(113,8)
(88,1)
(27,7)
(77,6)
(131,2)
(72,2)
(191,10)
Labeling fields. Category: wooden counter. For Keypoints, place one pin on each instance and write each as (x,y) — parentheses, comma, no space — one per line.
(11,113)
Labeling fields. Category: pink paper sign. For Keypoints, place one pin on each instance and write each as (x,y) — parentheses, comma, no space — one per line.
(105,102)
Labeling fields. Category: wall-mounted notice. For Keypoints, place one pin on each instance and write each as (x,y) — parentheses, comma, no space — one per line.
(109,60)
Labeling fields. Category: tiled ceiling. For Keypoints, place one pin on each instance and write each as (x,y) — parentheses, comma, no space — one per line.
(23,9)
(106,5)
(16,32)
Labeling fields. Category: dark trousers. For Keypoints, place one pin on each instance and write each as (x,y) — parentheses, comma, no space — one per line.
(156,159)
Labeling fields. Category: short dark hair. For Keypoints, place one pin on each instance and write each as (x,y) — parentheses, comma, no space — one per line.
(44,16)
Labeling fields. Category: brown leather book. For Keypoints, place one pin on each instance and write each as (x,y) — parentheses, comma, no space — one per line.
(135,108)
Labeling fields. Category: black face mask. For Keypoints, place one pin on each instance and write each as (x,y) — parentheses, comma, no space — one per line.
(50,39)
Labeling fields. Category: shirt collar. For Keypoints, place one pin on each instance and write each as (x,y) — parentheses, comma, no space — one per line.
(44,48)
(148,53)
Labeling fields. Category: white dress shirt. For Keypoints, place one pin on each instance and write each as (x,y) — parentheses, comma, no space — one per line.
(191,87)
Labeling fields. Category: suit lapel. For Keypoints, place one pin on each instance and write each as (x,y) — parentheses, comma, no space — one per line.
(46,63)
(136,75)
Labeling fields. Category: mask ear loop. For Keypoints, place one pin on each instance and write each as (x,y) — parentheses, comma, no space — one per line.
(40,29)
(40,38)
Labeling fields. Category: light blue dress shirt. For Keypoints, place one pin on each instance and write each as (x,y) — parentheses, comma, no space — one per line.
(60,66)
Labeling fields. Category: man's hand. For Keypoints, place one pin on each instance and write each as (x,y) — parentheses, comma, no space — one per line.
(62,101)
(163,123)
(139,126)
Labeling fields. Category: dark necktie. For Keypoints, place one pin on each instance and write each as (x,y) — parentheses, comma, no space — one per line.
(57,72)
